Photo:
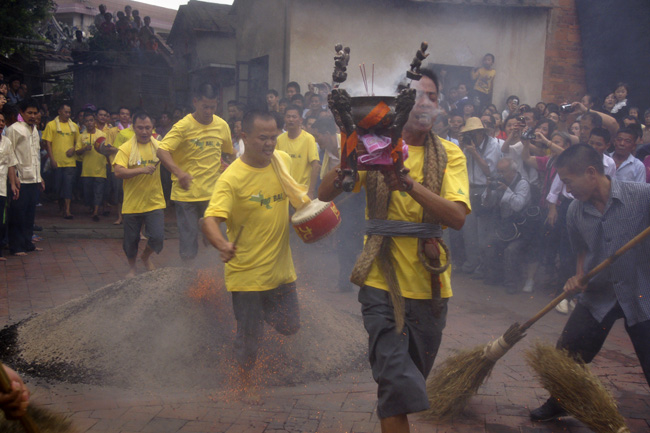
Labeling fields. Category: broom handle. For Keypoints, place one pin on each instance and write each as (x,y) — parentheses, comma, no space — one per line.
(585,279)
(5,386)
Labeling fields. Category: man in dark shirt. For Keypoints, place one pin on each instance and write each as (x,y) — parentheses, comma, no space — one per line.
(605,215)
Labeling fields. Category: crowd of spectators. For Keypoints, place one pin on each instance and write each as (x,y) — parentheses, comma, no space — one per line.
(515,235)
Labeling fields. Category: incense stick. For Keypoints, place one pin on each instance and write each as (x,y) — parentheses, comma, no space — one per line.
(363,76)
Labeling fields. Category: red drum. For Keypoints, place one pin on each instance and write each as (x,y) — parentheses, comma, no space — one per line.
(316,220)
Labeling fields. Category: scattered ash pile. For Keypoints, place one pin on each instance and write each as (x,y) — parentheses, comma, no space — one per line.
(175,327)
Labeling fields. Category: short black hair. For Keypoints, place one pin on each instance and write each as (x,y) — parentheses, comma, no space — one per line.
(630,130)
(578,158)
(602,133)
(298,97)
(272,92)
(430,74)
(29,103)
(295,85)
(205,90)
(490,55)
(249,119)
(142,115)
(293,107)
(123,108)
(64,104)
(325,125)
(103,109)
(596,120)
(511,97)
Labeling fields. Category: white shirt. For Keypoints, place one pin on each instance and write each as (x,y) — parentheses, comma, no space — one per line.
(27,149)
(490,151)
(558,187)
(529,173)
(631,170)
(7,159)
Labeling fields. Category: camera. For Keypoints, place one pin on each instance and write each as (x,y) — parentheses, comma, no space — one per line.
(467,140)
(529,134)
(494,182)
(566,109)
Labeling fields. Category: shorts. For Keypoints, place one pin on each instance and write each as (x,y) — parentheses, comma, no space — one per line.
(402,361)
(154,231)
(93,190)
(64,181)
(278,307)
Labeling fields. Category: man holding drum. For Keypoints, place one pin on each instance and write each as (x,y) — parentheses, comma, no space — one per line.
(404,293)
(252,198)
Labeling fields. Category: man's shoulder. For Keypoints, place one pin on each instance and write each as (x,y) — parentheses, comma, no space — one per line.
(453,151)
(632,191)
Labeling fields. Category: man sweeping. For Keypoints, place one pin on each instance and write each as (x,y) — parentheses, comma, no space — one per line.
(252,198)
(404,279)
(605,215)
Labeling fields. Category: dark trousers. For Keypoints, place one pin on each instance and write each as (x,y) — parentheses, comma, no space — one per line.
(21,219)
(277,307)
(188,214)
(583,336)
(401,361)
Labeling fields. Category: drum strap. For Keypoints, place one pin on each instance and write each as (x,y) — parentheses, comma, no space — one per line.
(377,246)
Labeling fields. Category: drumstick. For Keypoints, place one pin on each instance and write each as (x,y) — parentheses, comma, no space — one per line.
(238,235)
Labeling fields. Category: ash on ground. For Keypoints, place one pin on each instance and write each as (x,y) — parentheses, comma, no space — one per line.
(175,327)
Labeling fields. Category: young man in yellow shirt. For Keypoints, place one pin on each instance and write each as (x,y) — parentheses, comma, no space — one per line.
(249,197)
(402,358)
(301,147)
(60,137)
(93,164)
(192,152)
(137,164)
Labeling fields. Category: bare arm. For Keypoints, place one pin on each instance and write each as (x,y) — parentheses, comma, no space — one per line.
(48,148)
(327,191)
(211,228)
(315,172)
(128,173)
(526,157)
(184,179)
(449,213)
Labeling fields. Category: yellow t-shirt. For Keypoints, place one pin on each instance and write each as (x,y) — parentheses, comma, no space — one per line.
(61,142)
(93,162)
(142,193)
(414,280)
(303,151)
(253,198)
(196,149)
(484,79)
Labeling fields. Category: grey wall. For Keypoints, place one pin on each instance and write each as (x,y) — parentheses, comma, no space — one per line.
(388,34)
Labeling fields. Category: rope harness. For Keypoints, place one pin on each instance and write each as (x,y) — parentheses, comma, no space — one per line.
(378,242)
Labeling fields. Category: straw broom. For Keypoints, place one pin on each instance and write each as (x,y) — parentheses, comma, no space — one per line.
(579,392)
(458,378)
(36,420)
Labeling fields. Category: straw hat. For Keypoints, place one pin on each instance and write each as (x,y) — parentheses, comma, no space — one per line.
(472,124)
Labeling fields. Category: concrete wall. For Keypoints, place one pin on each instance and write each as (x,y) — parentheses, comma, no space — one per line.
(215,49)
(388,34)
(260,32)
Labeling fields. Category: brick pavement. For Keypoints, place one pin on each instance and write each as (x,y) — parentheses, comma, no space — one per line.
(73,265)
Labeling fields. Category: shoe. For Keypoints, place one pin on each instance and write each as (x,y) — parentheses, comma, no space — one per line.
(562,307)
(68,217)
(106,213)
(549,411)
(37,228)
(95,218)
(528,287)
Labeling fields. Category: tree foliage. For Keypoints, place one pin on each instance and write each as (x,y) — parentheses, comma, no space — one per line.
(21,19)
